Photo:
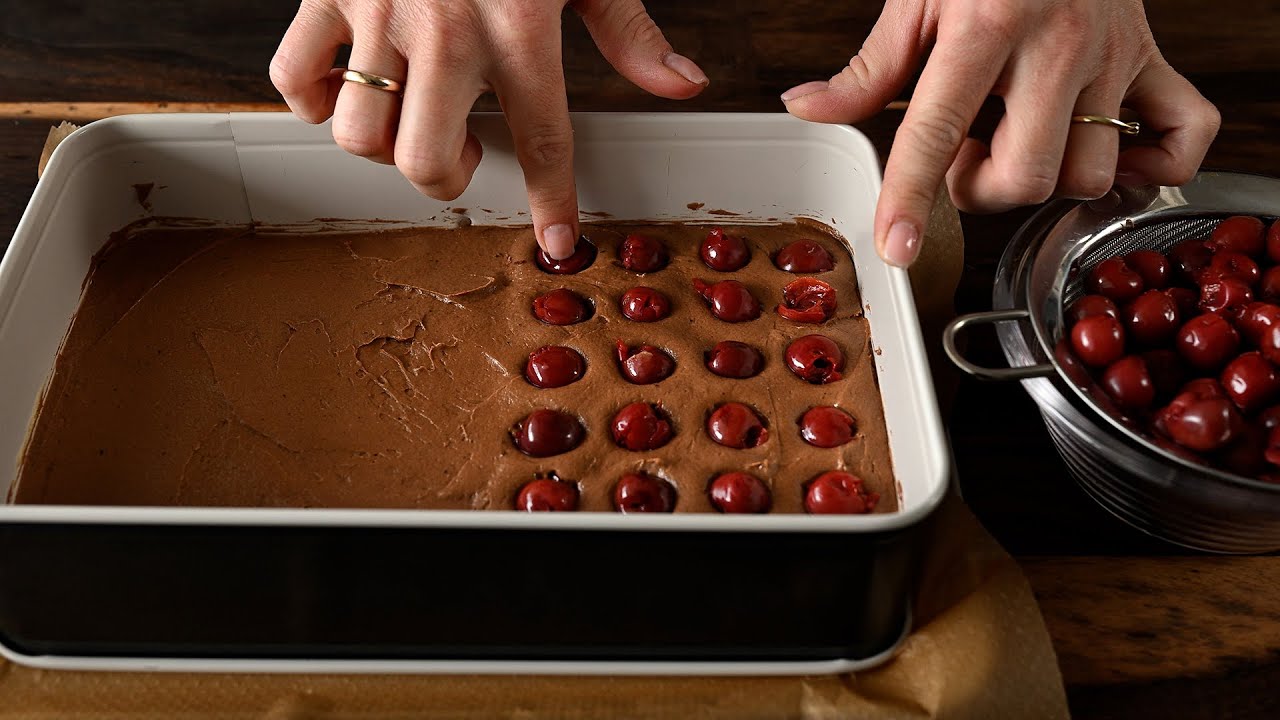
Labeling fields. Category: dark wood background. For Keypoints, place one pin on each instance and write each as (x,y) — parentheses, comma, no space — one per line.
(1142,629)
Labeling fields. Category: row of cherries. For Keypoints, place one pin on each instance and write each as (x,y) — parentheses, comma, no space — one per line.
(1163,335)
(816,359)
(644,426)
(833,492)
(804,300)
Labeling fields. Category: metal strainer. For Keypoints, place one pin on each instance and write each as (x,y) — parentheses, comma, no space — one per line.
(1041,272)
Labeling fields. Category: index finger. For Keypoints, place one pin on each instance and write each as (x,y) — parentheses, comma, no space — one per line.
(964,66)
(533,98)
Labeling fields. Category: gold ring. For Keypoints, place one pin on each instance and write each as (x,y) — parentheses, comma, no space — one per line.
(1132,128)
(374,81)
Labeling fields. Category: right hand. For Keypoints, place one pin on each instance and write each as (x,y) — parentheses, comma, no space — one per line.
(447,53)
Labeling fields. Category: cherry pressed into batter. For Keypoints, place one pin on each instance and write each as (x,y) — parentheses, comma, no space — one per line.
(547,494)
(723,252)
(733,359)
(838,492)
(544,433)
(644,304)
(584,253)
(643,254)
(815,359)
(739,492)
(554,366)
(645,364)
(737,426)
(641,426)
(561,307)
(804,256)
(729,300)
(808,300)
(639,492)
(827,427)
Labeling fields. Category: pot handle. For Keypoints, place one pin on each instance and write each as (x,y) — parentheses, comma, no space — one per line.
(985,373)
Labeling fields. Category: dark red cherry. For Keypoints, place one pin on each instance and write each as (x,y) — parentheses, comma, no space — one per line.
(1241,233)
(808,300)
(827,427)
(839,492)
(1188,258)
(1200,424)
(1207,341)
(1238,265)
(547,494)
(1256,318)
(554,366)
(641,426)
(1116,280)
(643,254)
(561,307)
(1098,340)
(1151,266)
(1272,452)
(737,426)
(544,433)
(1273,242)
(645,364)
(1269,285)
(584,253)
(1091,305)
(725,253)
(1219,292)
(1246,455)
(639,492)
(1129,384)
(1167,369)
(644,304)
(804,256)
(815,359)
(733,359)
(729,300)
(1187,300)
(1251,381)
(1152,318)
(739,492)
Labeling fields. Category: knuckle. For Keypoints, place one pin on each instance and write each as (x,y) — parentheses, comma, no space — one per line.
(423,169)
(1210,117)
(1087,183)
(1029,188)
(374,15)
(938,129)
(284,75)
(359,144)
(637,25)
(1000,17)
(546,147)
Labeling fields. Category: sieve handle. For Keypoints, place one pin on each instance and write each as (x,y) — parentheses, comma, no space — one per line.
(985,373)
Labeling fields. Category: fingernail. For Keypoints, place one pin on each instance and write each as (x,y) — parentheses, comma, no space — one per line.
(902,244)
(558,241)
(1131,179)
(808,88)
(686,68)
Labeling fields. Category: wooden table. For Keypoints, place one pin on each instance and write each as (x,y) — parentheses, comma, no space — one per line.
(1142,628)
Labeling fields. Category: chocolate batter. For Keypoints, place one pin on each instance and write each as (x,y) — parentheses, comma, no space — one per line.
(383,369)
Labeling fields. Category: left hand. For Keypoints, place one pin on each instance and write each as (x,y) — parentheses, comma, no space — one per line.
(1048,60)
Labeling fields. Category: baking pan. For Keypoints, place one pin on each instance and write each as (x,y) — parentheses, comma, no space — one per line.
(453,591)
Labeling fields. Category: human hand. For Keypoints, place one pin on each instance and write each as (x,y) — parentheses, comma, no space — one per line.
(1048,60)
(447,53)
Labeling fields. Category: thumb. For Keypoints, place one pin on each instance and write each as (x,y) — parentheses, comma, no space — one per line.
(637,49)
(874,77)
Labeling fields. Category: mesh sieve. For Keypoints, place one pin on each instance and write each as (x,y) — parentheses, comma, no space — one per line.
(1041,273)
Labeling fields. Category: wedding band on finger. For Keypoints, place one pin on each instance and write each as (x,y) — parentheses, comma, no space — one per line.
(376,82)
(1128,128)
